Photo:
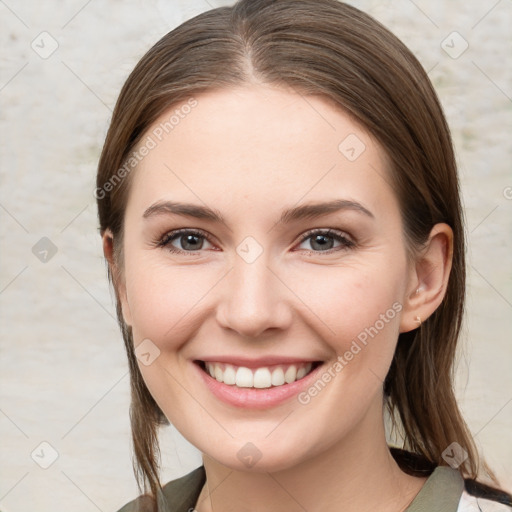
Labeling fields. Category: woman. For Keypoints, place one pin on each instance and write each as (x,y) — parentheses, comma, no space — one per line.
(277,324)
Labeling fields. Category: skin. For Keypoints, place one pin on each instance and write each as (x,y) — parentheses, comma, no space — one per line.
(250,153)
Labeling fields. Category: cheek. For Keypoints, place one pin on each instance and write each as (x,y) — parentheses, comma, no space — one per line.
(357,311)
(358,314)
(162,300)
(350,300)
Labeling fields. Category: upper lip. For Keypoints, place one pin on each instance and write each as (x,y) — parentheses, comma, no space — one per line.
(256,362)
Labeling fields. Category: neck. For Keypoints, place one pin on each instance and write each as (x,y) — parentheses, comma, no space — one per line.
(358,474)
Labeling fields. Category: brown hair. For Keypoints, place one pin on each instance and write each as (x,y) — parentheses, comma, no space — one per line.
(326,48)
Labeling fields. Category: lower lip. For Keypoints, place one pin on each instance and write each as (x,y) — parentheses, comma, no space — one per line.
(252,398)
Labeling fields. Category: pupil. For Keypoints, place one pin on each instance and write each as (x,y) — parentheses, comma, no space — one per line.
(323,242)
(190,241)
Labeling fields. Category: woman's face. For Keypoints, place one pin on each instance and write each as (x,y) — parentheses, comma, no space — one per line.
(289,260)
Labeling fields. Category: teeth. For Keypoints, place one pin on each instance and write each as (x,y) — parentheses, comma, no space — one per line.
(290,375)
(278,377)
(244,377)
(260,378)
(229,375)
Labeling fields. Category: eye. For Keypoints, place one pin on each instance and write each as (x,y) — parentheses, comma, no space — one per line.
(189,241)
(184,241)
(325,240)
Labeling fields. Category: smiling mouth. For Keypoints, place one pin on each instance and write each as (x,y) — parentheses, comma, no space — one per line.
(258,378)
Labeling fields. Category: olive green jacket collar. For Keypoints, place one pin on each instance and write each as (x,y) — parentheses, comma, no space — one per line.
(440,493)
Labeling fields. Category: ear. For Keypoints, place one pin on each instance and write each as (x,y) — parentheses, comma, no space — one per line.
(117,278)
(429,278)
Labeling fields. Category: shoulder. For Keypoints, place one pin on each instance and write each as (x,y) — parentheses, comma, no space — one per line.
(177,495)
(469,503)
(446,491)
(481,497)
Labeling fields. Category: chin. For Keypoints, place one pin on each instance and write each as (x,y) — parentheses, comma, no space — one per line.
(259,456)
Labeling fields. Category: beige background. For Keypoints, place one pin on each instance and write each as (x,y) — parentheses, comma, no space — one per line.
(63,374)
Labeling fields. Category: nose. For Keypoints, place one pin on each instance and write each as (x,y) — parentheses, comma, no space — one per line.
(253,300)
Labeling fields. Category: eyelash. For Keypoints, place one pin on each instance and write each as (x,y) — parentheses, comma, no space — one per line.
(346,243)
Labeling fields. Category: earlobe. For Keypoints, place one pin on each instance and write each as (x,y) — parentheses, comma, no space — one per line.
(429,278)
(115,272)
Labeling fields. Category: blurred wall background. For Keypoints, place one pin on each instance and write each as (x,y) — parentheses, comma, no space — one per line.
(63,371)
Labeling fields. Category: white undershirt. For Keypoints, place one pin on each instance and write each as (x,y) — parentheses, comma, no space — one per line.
(469,503)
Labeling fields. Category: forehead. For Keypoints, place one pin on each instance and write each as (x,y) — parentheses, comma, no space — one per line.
(262,146)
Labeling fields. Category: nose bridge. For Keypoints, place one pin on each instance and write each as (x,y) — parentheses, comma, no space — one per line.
(253,300)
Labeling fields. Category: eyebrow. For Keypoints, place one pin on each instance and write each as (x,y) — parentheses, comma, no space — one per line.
(186,209)
(307,211)
(314,210)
